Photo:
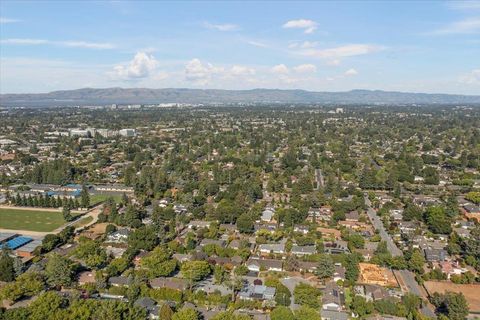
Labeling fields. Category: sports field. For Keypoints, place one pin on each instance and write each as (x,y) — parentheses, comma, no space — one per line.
(32,220)
(96,198)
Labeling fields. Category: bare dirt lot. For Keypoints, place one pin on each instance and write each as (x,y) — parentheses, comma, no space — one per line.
(470,291)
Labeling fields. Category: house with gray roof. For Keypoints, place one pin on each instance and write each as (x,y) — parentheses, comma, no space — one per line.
(257,292)
(277,248)
(303,250)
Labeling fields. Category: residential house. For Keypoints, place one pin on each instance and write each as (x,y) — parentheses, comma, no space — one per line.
(339,273)
(257,292)
(301,228)
(333,297)
(307,266)
(180,257)
(206,242)
(435,255)
(198,224)
(371,292)
(322,214)
(334,315)
(120,281)
(352,216)
(150,306)
(267,214)
(119,236)
(303,250)
(86,277)
(256,264)
(277,248)
(171,283)
(396,214)
(408,227)
(336,247)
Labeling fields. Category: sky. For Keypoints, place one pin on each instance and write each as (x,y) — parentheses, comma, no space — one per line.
(416,46)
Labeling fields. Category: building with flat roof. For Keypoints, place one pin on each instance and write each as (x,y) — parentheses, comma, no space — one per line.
(17,242)
(27,250)
(5,236)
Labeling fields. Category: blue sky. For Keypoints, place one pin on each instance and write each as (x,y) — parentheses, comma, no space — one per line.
(416,46)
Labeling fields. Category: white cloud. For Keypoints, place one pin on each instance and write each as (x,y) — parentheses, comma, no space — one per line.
(303,45)
(343,51)
(88,45)
(199,72)
(141,66)
(25,41)
(471,78)
(351,72)
(257,44)
(334,62)
(237,70)
(305,68)
(308,26)
(4,20)
(221,27)
(466,26)
(280,69)
(71,43)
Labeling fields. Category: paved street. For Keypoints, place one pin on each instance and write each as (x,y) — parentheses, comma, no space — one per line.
(407,276)
(291,283)
(378,224)
(319,179)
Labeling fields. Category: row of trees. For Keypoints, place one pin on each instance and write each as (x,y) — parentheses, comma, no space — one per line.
(44,201)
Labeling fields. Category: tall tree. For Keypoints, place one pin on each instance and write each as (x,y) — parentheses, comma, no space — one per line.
(59,270)
(85,197)
(7,270)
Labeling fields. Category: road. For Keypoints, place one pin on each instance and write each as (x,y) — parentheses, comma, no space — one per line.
(94,212)
(319,179)
(408,277)
(378,224)
(291,283)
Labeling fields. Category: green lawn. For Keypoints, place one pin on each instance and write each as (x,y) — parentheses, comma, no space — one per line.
(96,198)
(43,221)
(83,221)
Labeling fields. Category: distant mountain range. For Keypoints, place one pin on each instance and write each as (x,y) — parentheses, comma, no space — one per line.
(89,96)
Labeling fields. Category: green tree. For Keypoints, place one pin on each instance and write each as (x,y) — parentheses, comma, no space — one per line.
(245,223)
(361,307)
(195,270)
(453,305)
(7,270)
(416,261)
(159,262)
(306,295)
(326,267)
(59,270)
(437,220)
(351,267)
(229,315)
(166,313)
(67,215)
(91,253)
(282,313)
(282,293)
(85,197)
(186,314)
(47,306)
(307,313)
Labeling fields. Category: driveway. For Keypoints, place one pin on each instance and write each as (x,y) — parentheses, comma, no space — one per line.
(291,283)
